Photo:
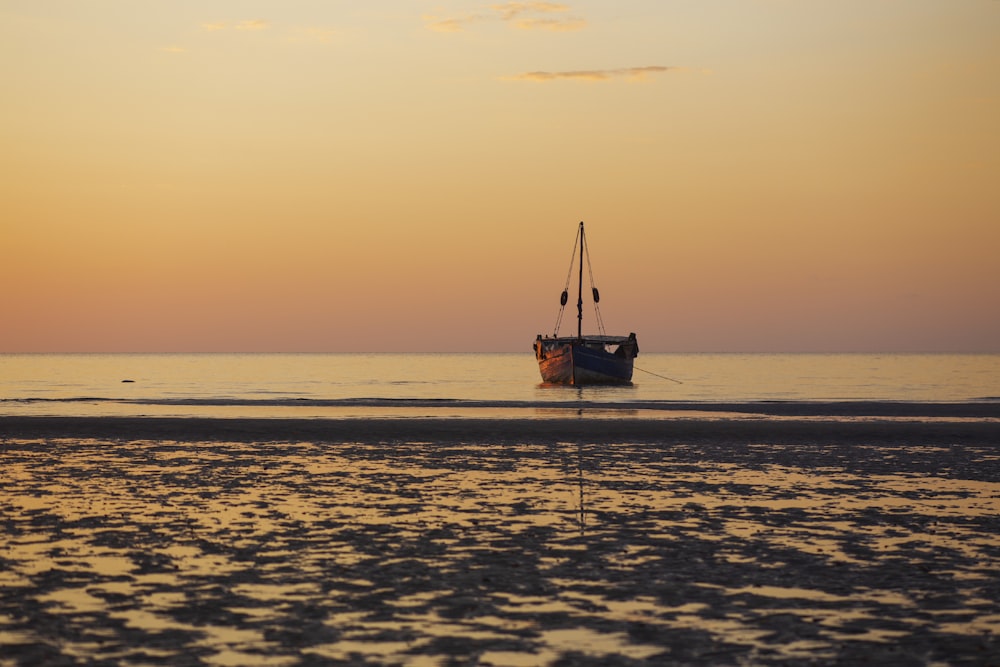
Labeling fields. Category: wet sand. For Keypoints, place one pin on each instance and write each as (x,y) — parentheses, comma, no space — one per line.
(500,541)
(593,426)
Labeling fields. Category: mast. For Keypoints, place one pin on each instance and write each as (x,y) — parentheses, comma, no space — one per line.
(579,293)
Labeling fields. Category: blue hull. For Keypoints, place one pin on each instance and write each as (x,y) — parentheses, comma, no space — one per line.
(576,363)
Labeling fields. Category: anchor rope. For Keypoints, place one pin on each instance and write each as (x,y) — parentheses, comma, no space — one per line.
(662,377)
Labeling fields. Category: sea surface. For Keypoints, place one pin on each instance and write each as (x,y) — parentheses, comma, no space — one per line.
(435,510)
(457,385)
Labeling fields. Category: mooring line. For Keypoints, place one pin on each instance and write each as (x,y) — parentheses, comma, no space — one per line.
(664,377)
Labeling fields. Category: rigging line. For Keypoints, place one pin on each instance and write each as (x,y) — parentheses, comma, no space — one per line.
(597,308)
(590,267)
(600,320)
(572,260)
(569,276)
(664,377)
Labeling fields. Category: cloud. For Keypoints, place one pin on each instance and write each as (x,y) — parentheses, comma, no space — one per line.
(511,10)
(315,34)
(454,24)
(628,73)
(555,25)
(521,15)
(255,24)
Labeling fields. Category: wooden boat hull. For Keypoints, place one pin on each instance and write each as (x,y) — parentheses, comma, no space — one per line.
(583,362)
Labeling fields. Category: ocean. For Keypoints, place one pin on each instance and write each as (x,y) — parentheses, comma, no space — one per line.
(456,385)
(447,509)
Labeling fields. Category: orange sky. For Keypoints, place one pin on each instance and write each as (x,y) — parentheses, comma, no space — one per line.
(756,175)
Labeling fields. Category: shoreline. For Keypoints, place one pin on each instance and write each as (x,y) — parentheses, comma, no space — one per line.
(979,408)
(582,429)
(499,542)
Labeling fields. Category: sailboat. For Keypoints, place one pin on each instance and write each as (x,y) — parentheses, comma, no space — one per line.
(590,359)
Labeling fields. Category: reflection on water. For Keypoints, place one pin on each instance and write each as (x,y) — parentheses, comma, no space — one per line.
(498,377)
(268,554)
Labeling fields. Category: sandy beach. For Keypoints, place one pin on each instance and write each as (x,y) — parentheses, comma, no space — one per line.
(808,539)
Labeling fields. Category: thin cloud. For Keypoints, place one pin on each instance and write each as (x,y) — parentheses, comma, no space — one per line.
(511,10)
(453,24)
(314,34)
(521,15)
(255,24)
(627,73)
(554,25)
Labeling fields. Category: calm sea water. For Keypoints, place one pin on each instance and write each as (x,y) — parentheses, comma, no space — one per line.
(270,548)
(349,384)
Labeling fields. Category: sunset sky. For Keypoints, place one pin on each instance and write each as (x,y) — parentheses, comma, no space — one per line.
(400,175)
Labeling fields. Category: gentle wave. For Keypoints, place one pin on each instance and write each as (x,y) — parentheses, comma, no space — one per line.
(985,408)
(703,378)
(596,429)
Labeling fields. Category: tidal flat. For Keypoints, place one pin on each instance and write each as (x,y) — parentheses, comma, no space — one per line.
(472,550)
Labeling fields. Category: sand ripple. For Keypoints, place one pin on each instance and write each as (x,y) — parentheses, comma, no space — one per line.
(245,553)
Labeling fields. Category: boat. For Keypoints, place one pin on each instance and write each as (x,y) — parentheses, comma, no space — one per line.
(584,360)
